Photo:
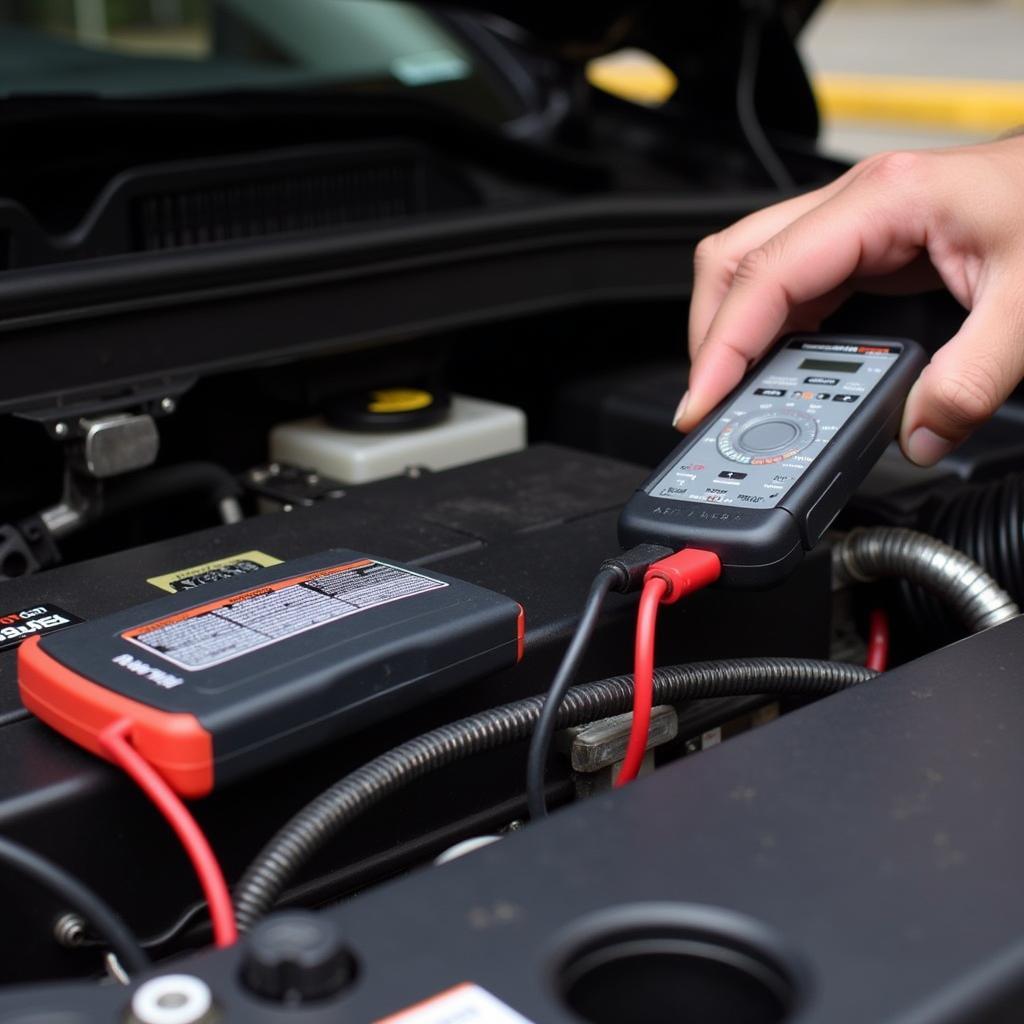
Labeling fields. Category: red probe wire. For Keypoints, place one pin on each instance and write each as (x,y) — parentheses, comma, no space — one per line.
(878,641)
(643,679)
(116,741)
(666,582)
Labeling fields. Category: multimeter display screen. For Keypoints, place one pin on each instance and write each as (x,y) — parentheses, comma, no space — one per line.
(830,366)
(777,425)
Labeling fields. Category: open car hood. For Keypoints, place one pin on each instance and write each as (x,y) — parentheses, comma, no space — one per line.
(576,23)
(701,41)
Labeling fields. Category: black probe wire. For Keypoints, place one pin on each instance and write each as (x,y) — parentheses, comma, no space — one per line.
(194,917)
(746,105)
(79,898)
(540,744)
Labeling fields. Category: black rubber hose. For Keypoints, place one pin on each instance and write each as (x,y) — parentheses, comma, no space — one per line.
(986,522)
(170,482)
(540,745)
(320,820)
(893,552)
(78,898)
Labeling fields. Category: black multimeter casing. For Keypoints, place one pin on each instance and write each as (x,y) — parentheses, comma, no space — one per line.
(759,546)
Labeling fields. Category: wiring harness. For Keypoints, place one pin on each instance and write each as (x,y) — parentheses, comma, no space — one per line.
(322,819)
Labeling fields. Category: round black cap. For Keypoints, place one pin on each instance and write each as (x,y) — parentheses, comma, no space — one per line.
(295,957)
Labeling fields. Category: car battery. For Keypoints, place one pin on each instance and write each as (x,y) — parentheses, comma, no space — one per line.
(225,680)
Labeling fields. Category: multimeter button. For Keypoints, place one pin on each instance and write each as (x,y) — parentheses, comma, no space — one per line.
(768,437)
(296,957)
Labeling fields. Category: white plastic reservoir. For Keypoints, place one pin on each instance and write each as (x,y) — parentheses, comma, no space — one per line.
(473,430)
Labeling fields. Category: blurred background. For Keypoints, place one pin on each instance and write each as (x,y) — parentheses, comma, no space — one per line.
(916,72)
(895,73)
(888,73)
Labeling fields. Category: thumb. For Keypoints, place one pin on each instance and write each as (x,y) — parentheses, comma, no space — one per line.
(966,381)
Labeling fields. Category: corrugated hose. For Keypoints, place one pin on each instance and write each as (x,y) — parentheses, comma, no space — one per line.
(317,823)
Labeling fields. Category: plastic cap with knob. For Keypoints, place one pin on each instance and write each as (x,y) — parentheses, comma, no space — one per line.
(297,957)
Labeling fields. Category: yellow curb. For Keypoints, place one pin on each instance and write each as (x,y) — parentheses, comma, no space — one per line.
(978,106)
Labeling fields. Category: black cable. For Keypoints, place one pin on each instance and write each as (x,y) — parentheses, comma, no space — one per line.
(194,917)
(18,715)
(540,745)
(321,819)
(98,914)
(746,105)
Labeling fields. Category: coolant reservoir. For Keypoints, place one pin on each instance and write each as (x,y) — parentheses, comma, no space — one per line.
(471,430)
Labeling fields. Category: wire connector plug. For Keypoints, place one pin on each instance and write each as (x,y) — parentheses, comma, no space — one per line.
(631,566)
(685,572)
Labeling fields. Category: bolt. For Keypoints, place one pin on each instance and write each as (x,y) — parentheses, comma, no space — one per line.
(69,930)
(60,430)
(168,405)
(312,479)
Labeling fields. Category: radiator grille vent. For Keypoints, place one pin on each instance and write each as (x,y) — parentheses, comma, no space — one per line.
(272,206)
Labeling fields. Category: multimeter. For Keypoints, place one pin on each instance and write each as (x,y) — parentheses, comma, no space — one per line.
(226,679)
(762,478)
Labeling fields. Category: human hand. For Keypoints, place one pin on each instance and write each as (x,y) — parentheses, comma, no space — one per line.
(894,223)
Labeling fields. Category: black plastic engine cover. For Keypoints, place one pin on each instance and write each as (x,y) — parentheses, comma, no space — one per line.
(533,526)
(868,847)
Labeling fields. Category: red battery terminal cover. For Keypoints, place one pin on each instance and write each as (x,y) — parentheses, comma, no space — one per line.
(174,743)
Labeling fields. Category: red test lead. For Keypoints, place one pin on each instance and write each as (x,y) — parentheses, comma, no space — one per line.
(878,640)
(116,743)
(665,582)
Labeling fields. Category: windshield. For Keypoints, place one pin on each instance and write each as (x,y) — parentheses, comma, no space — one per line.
(147,48)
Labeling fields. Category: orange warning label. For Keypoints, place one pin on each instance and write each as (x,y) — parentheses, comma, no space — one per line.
(231,627)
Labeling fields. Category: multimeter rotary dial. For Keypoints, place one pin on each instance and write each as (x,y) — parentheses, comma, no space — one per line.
(771,437)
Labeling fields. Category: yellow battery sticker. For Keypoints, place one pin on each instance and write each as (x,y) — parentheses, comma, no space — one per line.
(212,572)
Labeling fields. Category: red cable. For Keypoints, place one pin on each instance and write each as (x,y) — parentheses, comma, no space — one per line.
(878,641)
(116,740)
(665,583)
(643,679)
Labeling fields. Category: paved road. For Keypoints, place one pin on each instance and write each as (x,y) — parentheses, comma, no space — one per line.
(944,39)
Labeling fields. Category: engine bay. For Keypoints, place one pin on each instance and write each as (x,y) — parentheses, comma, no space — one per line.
(532,524)
(384,369)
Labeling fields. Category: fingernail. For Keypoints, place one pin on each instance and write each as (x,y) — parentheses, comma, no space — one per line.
(680,409)
(925,447)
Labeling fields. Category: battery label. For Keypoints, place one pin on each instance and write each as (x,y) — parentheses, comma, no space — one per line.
(35,621)
(242,623)
(466,1004)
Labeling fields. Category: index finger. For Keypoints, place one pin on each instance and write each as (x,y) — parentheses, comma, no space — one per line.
(718,256)
(858,230)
